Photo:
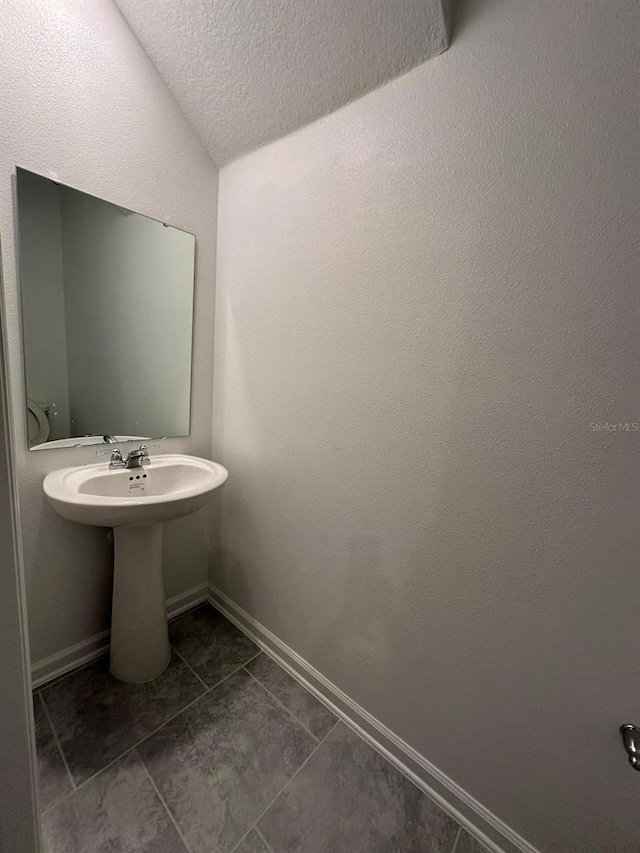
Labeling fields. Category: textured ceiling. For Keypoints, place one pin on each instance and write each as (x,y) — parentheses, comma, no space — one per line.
(246,72)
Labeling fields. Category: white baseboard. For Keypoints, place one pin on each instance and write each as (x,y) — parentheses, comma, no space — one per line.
(186,600)
(479,821)
(47,669)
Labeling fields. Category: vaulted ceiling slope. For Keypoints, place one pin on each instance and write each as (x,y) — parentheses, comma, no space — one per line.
(246,72)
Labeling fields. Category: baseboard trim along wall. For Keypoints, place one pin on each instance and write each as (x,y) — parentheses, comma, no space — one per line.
(71,658)
(479,821)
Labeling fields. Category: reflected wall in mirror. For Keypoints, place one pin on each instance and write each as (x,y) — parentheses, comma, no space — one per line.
(107,314)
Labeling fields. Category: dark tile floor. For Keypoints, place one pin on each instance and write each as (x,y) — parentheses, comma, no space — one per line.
(224,753)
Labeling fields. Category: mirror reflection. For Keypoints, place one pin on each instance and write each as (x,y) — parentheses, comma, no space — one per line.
(107,312)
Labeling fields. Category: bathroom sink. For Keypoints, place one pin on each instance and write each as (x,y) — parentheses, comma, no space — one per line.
(170,486)
(136,502)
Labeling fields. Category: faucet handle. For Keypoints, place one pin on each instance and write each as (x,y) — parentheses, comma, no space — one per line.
(142,453)
(630,738)
(116,460)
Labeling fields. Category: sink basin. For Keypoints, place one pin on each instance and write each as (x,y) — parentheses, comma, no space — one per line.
(169,487)
(136,502)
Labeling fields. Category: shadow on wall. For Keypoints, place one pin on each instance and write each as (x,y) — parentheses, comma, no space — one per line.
(461,15)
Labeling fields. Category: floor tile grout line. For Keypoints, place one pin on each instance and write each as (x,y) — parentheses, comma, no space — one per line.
(59,746)
(263,839)
(254,825)
(189,667)
(318,699)
(282,705)
(253,657)
(142,740)
(455,843)
(306,689)
(162,800)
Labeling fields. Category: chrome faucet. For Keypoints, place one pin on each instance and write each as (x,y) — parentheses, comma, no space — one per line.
(135,458)
(116,460)
(138,458)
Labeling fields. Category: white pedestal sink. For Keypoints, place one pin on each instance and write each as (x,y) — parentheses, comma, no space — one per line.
(135,502)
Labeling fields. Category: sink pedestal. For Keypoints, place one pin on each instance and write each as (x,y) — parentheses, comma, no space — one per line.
(139,635)
(170,486)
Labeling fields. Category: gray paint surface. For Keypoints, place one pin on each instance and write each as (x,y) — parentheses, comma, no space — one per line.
(247,73)
(81,101)
(424,301)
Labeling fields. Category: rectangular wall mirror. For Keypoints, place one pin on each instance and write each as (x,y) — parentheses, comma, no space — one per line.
(107,313)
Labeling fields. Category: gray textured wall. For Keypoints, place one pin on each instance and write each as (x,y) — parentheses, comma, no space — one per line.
(80,99)
(424,300)
(247,73)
